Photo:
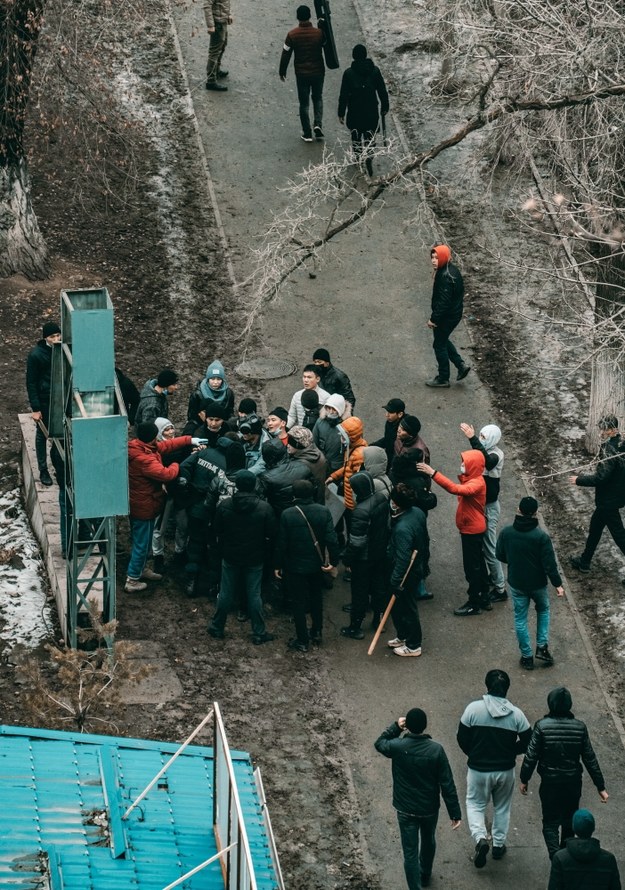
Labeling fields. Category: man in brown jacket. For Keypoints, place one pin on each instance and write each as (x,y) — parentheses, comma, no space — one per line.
(306,42)
(218,17)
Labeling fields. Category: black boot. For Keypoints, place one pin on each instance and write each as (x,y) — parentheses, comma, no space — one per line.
(159,564)
(353,631)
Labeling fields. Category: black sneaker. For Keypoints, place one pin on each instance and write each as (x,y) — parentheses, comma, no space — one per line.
(543,654)
(259,639)
(579,564)
(45,478)
(463,370)
(297,645)
(466,610)
(216,87)
(425,879)
(499,852)
(481,852)
(318,133)
(498,596)
(527,662)
(486,604)
(215,632)
(354,633)
(436,382)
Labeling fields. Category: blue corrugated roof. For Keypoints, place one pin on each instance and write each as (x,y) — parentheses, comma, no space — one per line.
(53,788)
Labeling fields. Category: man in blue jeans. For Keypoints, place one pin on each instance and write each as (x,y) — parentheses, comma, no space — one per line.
(245,529)
(529,554)
(421,774)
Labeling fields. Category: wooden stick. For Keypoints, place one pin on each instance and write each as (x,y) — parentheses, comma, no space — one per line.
(387,611)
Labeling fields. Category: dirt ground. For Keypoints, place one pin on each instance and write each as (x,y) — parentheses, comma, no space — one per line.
(157,248)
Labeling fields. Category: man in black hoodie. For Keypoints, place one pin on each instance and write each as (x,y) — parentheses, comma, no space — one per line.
(361,87)
(395,410)
(584,865)
(245,529)
(559,742)
(608,480)
(38,381)
(421,775)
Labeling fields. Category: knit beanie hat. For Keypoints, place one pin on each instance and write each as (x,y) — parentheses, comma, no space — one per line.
(299,437)
(214,409)
(416,720)
(282,413)
(583,823)
(49,329)
(247,406)
(166,377)
(162,423)
(245,481)
(411,424)
(310,399)
(147,432)
(233,451)
(322,354)
(528,506)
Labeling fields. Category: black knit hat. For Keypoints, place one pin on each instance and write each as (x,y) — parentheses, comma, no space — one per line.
(395,406)
(310,399)
(302,489)
(282,413)
(245,481)
(166,377)
(528,506)
(214,409)
(416,720)
(322,354)
(247,406)
(411,424)
(147,432)
(49,329)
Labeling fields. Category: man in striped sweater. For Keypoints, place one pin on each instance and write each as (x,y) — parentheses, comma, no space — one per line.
(306,42)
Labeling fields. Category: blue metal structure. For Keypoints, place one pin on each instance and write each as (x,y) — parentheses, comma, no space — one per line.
(64,795)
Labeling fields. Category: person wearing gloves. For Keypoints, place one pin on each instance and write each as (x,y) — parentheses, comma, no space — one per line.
(146,477)
(471,523)
(487,442)
(445,315)
(212,390)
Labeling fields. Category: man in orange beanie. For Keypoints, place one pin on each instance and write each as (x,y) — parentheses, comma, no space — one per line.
(447,306)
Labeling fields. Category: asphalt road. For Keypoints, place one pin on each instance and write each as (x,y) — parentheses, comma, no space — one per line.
(368,306)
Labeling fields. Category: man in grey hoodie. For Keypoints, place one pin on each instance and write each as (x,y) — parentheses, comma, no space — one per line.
(492,732)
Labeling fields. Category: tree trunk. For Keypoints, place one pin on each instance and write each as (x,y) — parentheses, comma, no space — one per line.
(22,247)
(608,363)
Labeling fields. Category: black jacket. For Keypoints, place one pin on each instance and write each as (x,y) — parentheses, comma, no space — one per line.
(408,533)
(361,87)
(245,527)
(557,745)
(314,459)
(296,552)
(608,480)
(194,482)
(529,553)
(152,404)
(421,773)
(404,470)
(276,483)
(328,440)
(333,380)
(583,865)
(130,394)
(447,296)
(38,373)
(369,526)
(387,442)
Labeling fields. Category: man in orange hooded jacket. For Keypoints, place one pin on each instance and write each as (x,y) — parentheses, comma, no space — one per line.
(351,431)
(471,523)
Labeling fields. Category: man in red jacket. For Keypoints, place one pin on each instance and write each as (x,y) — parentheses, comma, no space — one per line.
(146,477)
(471,523)
(306,42)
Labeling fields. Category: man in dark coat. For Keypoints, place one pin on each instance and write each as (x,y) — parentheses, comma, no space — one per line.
(421,775)
(306,42)
(305,541)
(38,381)
(361,87)
(447,308)
(608,480)
(333,380)
(154,399)
(559,742)
(366,553)
(395,410)
(584,864)
(244,528)
(281,472)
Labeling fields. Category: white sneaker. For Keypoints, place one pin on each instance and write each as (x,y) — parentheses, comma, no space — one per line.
(149,575)
(393,644)
(134,586)
(404,650)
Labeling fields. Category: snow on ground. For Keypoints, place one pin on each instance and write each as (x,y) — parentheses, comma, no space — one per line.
(25,613)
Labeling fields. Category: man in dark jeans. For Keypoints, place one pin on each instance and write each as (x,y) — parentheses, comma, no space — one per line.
(559,742)
(608,480)
(38,381)
(244,528)
(445,315)
(421,774)
(307,547)
(306,42)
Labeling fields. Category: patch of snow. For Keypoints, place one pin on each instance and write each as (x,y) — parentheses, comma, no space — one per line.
(25,612)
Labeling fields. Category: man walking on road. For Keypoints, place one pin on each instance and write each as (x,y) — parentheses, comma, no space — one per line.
(608,480)
(528,551)
(491,733)
(559,741)
(584,864)
(38,382)
(447,308)
(421,774)
(218,17)
(361,87)
(306,42)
